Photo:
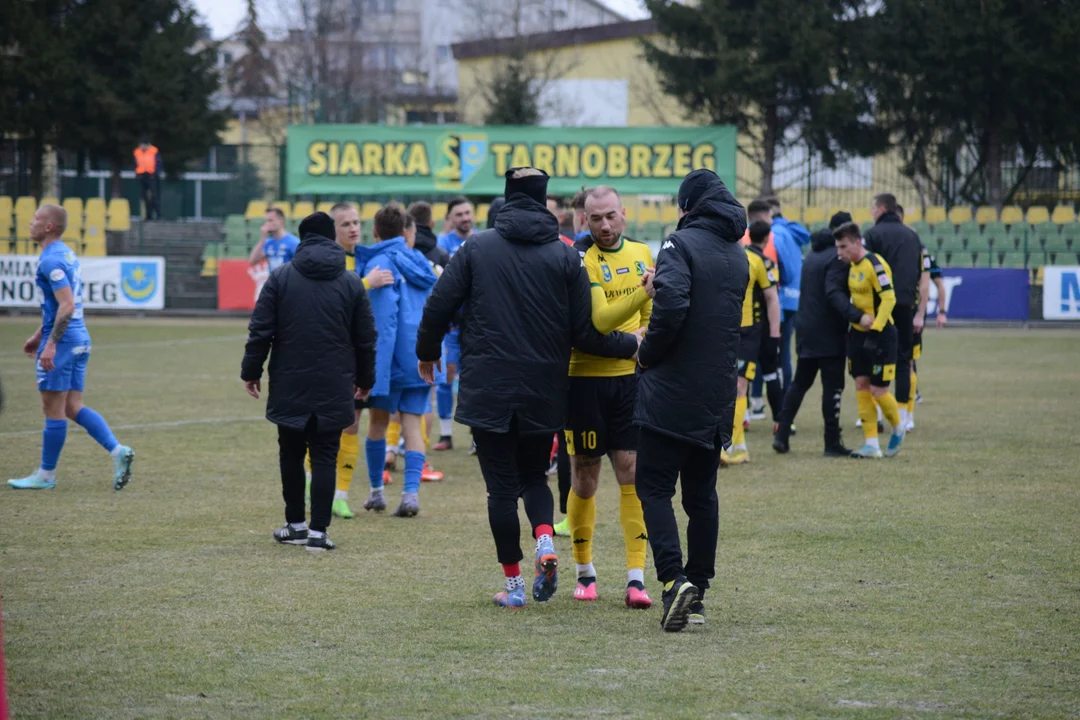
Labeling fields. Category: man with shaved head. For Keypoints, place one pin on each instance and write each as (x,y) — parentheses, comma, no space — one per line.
(63,356)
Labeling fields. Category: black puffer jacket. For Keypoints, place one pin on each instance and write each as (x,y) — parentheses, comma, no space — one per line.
(525,301)
(900,246)
(427,243)
(687,384)
(825,307)
(317,319)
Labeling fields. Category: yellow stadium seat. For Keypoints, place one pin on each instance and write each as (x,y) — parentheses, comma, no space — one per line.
(1011,214)
(74,207)
(986,214)
(936,214)
(631,213)
(813,216)
(368,210)
(209,268)
(25,246)
(648,213)
(283,205)
(792,213)
(913,214)
(669,214)
(1063,214)
(255,210)
(7,211)
(95,219)
(863,217)
(94,245)
(438,211)
(482,212)
(324,207)
(1038,214)
(960,214)
(119,217)
(49,200)
(73,231)
(25,207)
(302,209)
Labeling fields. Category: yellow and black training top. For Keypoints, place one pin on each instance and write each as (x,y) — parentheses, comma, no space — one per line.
(762,277)
(619,302)
(871,288)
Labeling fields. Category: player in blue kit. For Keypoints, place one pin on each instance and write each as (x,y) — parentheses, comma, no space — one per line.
(62,347)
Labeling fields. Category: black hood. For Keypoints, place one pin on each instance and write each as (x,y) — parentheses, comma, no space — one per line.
(712,207)
(319,258)
(523,219)
(493,211)
(425,239)
(822,239)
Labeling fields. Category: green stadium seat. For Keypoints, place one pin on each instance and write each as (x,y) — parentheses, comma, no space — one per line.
(653,230)
(922,228)
(1011,259)
(948,237)
(1063,258)
(971,235)
(959,259)
(1071,234)
(996,235)
(1046,234)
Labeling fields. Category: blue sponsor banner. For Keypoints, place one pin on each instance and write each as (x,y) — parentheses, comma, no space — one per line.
(983,294)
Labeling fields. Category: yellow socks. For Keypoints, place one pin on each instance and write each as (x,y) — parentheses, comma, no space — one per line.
(633,527)
(423,430)
(346,461)
(889,408)
(738,434)
(393,434)
(914,387)
(868,414)
(581,512)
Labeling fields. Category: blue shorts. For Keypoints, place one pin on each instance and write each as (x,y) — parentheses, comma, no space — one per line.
(412,401)
(451,348)
(70,368)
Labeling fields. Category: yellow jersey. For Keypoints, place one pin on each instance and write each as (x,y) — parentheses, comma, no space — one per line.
(871,288)
(762,277)
(619,302)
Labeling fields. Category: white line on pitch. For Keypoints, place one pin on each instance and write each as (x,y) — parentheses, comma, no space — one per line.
(147,426)
(151,343)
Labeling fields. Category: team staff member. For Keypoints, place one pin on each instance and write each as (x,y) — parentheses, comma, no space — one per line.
(148,172)
(318,321)
(899,247)
(759,338)
(687,387)
(275,246)
(871,342)
(603,392)
(825,310)
(524,299)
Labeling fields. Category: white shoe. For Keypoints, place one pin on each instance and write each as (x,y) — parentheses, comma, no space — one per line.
(858,423)
(911,425)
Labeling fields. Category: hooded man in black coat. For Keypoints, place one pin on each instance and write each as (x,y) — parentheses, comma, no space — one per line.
(524,300)
(426,242)
(821,328)
(687,386)
(317,319)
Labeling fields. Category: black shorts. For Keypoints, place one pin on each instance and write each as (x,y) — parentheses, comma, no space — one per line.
(916,348)
(873,355)
(600,415)
(749,351)
(362,404)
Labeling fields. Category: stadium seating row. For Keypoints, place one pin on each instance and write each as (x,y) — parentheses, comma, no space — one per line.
(299,210)
(87,222)
(934,215)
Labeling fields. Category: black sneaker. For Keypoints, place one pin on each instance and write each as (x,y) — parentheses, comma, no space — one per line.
(837,450)
(319,543)
(697,613)
(287,536)
(780,439)
(677,602)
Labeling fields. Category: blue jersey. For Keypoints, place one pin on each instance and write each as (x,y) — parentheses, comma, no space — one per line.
(451,241)
(59,268)
(279,252)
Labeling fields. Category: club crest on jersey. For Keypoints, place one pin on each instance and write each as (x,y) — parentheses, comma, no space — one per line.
(639,265)
(138,281)
(607,273)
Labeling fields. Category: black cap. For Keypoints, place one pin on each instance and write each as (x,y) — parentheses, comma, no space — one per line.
(535,186)
(694,185)
(319,224)
(839,219)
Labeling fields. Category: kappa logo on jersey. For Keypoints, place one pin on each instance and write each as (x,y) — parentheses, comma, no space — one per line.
(138,281)
(639,265)
(622,271)
(607,273)
(667,245)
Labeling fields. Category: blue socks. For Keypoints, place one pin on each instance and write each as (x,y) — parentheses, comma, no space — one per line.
(414,466)
(444,399)
(375,452)
(98,428)
(52,442)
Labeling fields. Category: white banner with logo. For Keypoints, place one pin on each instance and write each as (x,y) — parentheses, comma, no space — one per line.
(115,283)
(1061,293)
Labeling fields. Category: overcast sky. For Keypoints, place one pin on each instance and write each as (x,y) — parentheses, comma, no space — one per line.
(225,15)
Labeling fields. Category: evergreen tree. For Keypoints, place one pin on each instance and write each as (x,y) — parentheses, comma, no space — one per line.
(254,75)
(513,95)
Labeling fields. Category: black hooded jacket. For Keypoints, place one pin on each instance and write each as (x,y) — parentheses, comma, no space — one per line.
(524,301)
(688,376)
(900,246)
(427,243)
(317,319)
(825,307)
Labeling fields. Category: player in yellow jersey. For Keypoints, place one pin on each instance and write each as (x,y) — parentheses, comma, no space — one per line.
(603,392)
(759,346)
(872,342)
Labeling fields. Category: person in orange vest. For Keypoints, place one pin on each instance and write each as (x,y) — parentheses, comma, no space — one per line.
(147,170)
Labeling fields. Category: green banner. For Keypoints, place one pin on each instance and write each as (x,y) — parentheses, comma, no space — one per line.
(448,159)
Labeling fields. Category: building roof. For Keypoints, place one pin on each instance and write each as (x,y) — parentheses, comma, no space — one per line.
(570,37)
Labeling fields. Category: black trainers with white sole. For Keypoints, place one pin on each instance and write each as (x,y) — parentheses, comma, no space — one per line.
(677,603)
(287,536)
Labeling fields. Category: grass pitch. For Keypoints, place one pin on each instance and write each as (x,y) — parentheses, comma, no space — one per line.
(942,583)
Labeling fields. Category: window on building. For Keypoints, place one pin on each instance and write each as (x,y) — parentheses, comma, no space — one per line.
(442,53)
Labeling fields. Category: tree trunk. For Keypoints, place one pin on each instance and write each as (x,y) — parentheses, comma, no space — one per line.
(995,196)
(117,188)
(37,166)
(768,150)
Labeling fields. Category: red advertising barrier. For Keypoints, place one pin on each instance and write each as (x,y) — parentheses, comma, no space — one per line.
(239,284)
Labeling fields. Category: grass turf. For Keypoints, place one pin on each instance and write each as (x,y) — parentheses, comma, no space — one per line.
(943,582)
